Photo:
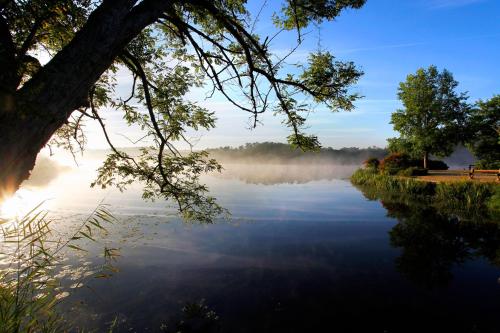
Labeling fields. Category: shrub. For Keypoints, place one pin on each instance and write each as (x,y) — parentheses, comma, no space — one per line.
(412,171)
(420,172)
(372,163)
(408,172)
(394,163)
(487,165)
(437,165)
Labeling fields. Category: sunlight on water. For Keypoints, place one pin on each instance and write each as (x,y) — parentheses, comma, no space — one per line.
(301,239)
(24,201)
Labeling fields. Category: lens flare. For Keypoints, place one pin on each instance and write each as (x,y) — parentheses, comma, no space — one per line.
(22,202)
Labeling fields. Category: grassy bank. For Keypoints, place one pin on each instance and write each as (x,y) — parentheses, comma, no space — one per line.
(463,196)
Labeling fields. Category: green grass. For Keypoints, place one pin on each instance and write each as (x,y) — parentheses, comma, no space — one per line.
(461,196)
(465,194)
(386,182)
(494,202)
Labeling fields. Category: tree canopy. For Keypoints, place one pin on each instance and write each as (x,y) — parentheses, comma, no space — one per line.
(434,115)
(169,47)
(485,128)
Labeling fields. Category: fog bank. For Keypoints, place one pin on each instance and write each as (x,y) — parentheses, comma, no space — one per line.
(46,170)
(272,174)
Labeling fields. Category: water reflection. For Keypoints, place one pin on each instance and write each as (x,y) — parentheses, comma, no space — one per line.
(434,241)
(301,254)
(195,317)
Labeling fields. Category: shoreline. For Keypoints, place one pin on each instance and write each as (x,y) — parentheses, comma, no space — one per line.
(465,196)
(451,176)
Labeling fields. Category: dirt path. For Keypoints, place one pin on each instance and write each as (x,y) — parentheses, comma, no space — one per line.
(437,176)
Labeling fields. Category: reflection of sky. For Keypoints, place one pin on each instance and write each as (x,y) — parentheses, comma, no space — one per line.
(309,188)
(294,257)
(288,230)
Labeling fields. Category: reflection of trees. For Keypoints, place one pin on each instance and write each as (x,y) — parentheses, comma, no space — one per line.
(431,244)
(196,317)
(433,241)
(271,174)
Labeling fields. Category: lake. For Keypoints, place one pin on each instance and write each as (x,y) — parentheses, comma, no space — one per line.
(304,251)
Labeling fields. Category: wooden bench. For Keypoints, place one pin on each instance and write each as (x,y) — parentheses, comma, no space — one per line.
(472,171)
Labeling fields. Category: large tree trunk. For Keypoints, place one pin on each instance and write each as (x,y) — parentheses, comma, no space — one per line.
(31,115)
(22,139)
(426,159)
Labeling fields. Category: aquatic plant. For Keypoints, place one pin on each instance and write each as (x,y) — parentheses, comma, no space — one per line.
(32,255)
(464,194)
(468,198)
(390,183)
(494,202)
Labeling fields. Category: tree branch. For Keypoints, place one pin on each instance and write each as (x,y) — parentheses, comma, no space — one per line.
(93,49)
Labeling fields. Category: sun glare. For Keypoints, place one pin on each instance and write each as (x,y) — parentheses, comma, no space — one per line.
(22,202)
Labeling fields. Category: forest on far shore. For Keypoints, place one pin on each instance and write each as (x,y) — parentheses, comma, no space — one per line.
(277,153)
(282,153)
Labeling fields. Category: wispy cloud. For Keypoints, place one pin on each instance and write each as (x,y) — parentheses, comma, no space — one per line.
(438,4)
(381,47)
(413,44)
(301,55)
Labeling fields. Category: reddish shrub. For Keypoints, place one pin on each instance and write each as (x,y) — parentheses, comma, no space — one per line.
(394,163)
(371,163)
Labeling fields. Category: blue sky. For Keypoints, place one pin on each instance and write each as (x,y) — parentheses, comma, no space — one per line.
(387,39)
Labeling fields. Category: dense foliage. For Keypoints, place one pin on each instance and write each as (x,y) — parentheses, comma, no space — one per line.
(485,128)
(395,163)
(372,163)
(434,118)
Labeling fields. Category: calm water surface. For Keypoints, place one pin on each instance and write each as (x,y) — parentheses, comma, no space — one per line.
(304,251)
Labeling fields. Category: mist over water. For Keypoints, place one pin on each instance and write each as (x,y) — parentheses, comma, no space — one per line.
(272,174)
(275,171)
(46,170)
(302,249)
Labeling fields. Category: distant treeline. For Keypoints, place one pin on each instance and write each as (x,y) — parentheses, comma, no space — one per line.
(277,153)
